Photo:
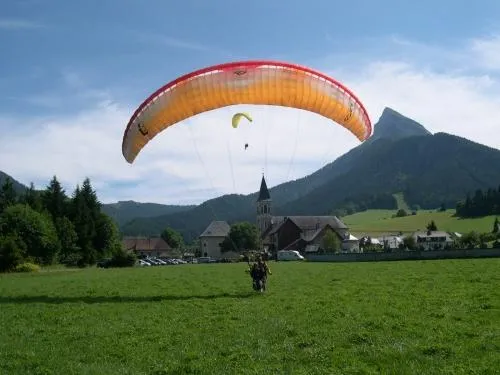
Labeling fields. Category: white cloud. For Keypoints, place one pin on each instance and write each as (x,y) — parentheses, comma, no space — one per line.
(169,41)
(179,43)
(168,169)
(296,143)
(18,24)
(487,51)
(164,40)
(468,106)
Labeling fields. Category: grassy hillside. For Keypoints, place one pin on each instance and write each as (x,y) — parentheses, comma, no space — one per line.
(378,222)
(422,317)
(400,201)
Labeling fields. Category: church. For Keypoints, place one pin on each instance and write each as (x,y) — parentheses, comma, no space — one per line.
(302,233)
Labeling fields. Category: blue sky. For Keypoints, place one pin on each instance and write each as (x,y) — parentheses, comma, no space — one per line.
(72,73)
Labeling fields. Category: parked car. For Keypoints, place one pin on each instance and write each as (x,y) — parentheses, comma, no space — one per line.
(289,255)
(152,261)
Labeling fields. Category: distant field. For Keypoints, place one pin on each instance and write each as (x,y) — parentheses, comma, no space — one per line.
(418,317)
(378,222)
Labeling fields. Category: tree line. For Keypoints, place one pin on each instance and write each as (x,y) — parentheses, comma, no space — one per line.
(48,226)
(483,203)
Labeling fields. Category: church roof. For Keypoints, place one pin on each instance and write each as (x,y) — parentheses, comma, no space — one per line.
(310,225)
(309,222)
(144,244)
(264,192)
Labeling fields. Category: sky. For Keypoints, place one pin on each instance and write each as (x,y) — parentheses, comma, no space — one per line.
(72,74)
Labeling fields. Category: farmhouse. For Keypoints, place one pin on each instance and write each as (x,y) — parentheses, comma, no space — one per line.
(303,233)
(147,246)
(432,240)
(212,238)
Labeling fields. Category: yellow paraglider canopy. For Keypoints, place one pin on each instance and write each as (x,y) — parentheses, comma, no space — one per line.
(237,118)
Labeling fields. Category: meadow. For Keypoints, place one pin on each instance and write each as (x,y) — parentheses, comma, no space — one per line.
(413,317)
(379,222)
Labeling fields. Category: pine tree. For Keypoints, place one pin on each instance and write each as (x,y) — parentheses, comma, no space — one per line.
(54,198)
(84,228)
(432,226)
(95,236)
(32,198)
(68,239)
(8,195)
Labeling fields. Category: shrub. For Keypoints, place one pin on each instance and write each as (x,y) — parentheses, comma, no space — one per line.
(27,267)
(72,260)
(122,259)
(35,229)
(12,249)
(401,213)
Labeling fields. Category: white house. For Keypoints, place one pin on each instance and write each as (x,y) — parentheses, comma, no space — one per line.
(391,242)
(350,244)
(432,240)
(212,237)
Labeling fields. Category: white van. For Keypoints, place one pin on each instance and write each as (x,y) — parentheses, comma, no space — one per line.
(289,255)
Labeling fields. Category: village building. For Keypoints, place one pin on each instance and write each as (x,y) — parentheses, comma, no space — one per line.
(152,247)
(302,233)
(391,242)
(433,240)
(212,238)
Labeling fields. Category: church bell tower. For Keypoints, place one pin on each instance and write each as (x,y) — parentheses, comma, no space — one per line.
(264,212)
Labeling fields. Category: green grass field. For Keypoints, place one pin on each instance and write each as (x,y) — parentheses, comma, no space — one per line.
(378,222)
(419,317)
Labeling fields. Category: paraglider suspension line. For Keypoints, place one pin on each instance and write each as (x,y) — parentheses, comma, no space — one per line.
(230,157)
(210,180)
(292,158)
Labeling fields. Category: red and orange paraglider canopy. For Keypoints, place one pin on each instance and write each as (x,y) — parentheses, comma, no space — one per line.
(247,82)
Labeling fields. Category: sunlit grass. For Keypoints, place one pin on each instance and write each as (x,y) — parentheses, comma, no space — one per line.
(420,317)
(376,222)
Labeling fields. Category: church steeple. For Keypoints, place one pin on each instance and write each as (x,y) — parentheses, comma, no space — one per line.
(263,193)
(264,214)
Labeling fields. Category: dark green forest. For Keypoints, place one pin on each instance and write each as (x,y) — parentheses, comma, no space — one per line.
(482,203)
(48,226)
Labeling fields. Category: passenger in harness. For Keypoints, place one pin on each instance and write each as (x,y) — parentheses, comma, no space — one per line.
(259,271)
